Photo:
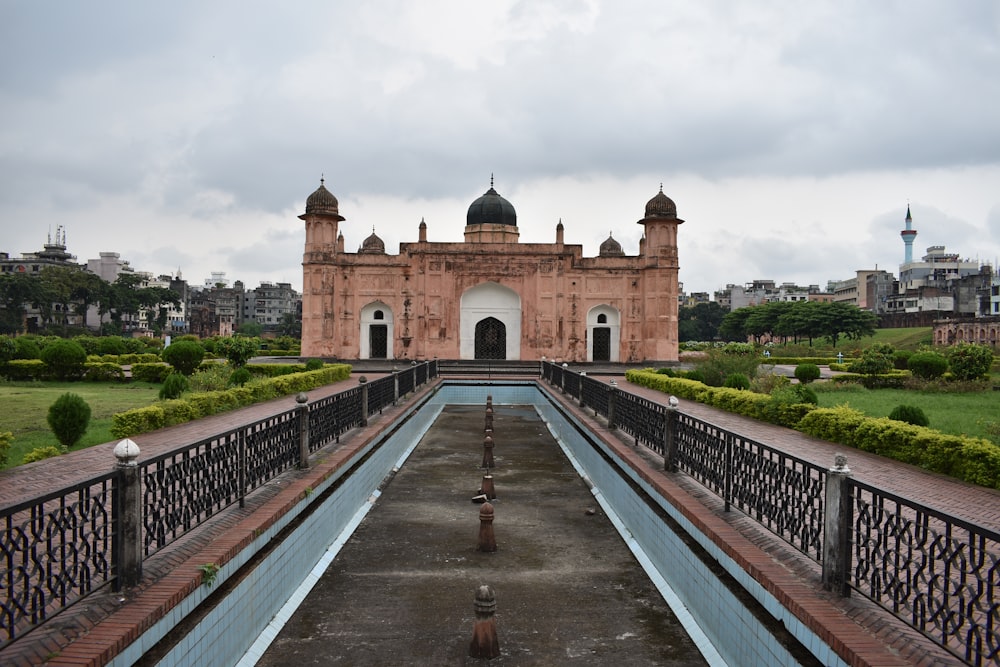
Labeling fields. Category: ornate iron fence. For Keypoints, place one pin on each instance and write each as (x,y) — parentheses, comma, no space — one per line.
(331,417)
(938,573)
(406,379)
(594,395)
(54,550)
(641,418)
(381,394)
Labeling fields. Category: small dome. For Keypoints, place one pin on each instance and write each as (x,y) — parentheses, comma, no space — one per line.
(491,208)
(611,248)
(322,201)
(372,245)
(661,206)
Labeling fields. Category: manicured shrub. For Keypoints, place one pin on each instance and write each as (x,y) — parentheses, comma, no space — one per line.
(695,375)
(910,414)
(901,359)
(103,372)
(8,348)
(314,364)
(970,361)
(111,345)
(64,359)
(875,360)
(174,385)
(239,377)
(27,348)
(40,453)
(151,372)
(68,418)
(928,365)
(806,373)
(185,356)
(5,439)
(737,381)
(237,350)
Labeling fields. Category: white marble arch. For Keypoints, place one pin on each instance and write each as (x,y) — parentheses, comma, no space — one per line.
(376,313)
(490,299)
(608,317)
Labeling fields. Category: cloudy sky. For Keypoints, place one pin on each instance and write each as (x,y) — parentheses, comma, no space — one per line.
(187,135)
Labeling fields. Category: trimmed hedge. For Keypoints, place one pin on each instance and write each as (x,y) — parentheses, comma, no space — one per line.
(151,372)
(125,359)
(973,460)
(795,361)
(24,369)
(203,404)
(103,372)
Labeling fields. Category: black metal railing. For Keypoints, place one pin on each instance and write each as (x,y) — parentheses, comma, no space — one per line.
(937,572)
(59,547)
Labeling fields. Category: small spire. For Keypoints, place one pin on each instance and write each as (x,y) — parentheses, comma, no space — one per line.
(661,187)
(373,229)
(491,179)
(321,179)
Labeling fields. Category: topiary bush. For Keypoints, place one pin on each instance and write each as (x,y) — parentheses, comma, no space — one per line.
(314,364)
(737,381)
(910,414)
(64,359)
(806,373)
(928,365)
(111,345)
(103,372)
(5,440)
(174,385)
(970,361)
(68,418)
(185,356)
(27,348)
(152,372)
(239,377)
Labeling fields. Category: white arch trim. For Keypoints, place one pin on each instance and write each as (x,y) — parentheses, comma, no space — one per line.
(613,322)
(367,320)
(489,299)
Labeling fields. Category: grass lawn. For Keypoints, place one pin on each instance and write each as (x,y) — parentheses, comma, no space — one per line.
(955,413)
(26,407)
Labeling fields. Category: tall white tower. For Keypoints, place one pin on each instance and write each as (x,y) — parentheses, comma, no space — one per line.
(908,234)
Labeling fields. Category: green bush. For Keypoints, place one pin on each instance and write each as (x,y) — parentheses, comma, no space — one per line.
(211,377)
(103,372)
(239,377)
(970,361)
(876,359)
(6,437)
(806,373)
(174,385)
(111,345)
(65,359)
(237,350)
(151,372)
(910,414)
(901,359)
(24,369)
(68,418)
(39,453)
(927,365)
(314,364)
(27,348)
(138,420)
(737,381)
(185,356)
(8,348)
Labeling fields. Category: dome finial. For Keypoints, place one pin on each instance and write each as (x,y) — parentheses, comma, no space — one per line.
(322,180)
(661,186)
(491,179)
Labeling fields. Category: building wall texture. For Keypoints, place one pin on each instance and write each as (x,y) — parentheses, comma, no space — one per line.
(489,296)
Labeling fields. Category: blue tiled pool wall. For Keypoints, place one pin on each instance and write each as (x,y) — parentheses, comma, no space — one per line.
(229,630)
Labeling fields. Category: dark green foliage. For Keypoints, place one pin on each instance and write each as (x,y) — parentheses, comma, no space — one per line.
(239,377)
(737,381)
(40,453)
(151,372)
(875,360)
(238,350)
(103,372)
(695,375)
(970,361)
(6,437)
(910,414)
(68,418)
(111,345)
(314,364)
(65,359)
(27,348)
(927,365)
(185,356)
(901,359)
(806,373)
(174,385)
(8,348)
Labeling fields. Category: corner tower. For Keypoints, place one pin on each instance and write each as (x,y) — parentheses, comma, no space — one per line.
(660,268)
(319,273)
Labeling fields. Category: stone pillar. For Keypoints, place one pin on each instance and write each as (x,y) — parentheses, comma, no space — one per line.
(128,542)
(488,489)
(303,413)
(363,381)
(487,541)
(489,418)
(612,404)
(395,383)
(837,529)
(670,436)
(485,643)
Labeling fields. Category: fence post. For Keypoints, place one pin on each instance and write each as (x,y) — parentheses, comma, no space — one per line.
(670,436)
(363,381)
(128,546)
(395,385)
(612,405)
(583,374)
(301,398)
(562,382)
(837,528)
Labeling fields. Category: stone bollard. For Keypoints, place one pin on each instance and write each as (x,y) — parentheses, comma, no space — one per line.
(302,400)
(488,452)
(489,418)
(128,545)
(488,489)
(484,633)
(837,528)
(487,541)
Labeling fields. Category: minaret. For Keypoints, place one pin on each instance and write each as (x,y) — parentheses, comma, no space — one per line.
(908,235)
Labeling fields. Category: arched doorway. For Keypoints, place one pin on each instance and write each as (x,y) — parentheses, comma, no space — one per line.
(603,334)
(376,332)
(491,339)
(488,301)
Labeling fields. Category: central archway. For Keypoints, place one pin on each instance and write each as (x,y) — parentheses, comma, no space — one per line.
(485,301)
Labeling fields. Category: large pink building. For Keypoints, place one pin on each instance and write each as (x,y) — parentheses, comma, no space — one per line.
(489,297)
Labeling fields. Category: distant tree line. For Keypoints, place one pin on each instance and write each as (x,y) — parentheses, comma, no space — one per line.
(60,291)
(779,321)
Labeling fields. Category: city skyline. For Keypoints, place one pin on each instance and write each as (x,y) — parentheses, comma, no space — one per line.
(792,138)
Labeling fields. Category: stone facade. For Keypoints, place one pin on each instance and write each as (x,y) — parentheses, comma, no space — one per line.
(489,297)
